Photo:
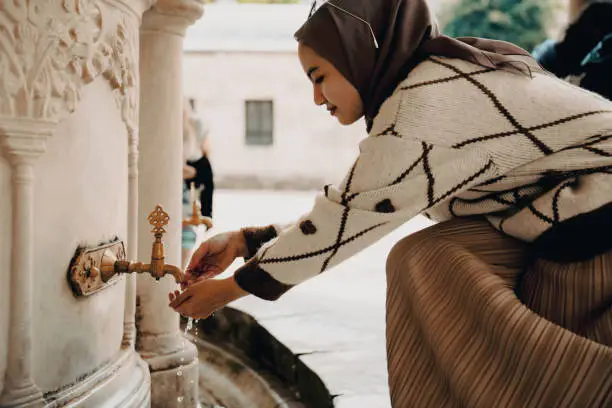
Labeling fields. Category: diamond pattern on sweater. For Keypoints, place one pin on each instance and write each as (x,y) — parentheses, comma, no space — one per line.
(447,79)
(340,242)
(331,248)
(540,214)
(528,129)
(462,184)
(344,219)
(573,183)
(430,178)
(523,195)
(519,129)
(426,149)
(390,131)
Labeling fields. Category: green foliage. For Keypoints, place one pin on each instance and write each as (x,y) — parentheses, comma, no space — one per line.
(522,22)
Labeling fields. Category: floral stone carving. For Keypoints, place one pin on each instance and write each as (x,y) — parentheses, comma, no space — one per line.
(50,48)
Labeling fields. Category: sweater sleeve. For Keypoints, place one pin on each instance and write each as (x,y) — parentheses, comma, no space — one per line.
(256,237)
(394,178)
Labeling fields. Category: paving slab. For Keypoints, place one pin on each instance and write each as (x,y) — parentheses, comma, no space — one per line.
(351,372)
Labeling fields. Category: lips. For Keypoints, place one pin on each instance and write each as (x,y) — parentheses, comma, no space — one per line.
(332,110)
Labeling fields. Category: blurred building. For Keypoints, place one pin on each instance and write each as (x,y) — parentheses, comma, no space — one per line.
(242,71)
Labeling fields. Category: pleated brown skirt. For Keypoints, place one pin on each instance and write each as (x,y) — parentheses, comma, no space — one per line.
(471,324)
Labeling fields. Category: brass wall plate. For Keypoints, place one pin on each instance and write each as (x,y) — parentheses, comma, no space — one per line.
(82,280)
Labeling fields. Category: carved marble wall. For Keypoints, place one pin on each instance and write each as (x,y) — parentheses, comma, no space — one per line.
(69,121)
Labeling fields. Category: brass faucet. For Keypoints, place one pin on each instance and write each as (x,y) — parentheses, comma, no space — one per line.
(196,210)
(110,266)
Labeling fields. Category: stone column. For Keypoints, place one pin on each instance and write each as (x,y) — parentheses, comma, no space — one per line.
(129,322)
(171,358)
(131,118)
(24,140)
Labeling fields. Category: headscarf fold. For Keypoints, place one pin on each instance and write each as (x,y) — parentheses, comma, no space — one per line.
(376,43)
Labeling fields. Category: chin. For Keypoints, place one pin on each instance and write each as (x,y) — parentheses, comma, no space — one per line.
(347,121)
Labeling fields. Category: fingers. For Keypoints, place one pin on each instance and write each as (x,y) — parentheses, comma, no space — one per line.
(181,298)
(173,295)
(210,274)
(192,280)
(186,308)
(197,256)
(199,300)
(189,280)
(191,308)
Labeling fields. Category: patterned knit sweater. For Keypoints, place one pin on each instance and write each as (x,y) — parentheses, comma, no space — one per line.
(532,155)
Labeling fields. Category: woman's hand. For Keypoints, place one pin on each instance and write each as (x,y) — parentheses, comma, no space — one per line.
(189,172)
(214,256)
(203,298)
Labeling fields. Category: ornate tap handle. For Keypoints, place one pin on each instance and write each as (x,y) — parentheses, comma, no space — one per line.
(158,220)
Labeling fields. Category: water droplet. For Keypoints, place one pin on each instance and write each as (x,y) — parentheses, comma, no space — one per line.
(182,359)
(180,399)
(179,373)
(189,325)
(191,382)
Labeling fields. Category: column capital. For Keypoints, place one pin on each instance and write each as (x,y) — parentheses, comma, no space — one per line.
(172,16)
(25,139)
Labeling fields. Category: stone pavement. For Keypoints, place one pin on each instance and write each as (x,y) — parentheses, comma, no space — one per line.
(334,323)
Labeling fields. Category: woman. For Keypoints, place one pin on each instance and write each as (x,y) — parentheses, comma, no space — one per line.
(506,302)
(197,174)
(202,175)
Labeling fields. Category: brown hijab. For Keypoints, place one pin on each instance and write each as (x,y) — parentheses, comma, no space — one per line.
(403,33)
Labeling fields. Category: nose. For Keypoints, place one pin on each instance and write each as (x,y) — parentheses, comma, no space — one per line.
(319,99)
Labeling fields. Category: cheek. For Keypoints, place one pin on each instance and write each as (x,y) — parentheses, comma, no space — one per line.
(357,104)
(351,99)
(344,96)
(353,107)
(330,92)
(337,95)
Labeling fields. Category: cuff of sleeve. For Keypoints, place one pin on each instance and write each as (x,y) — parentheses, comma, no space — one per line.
(256,237)
(251,278)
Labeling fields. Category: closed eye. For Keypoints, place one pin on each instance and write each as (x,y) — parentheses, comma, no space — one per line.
(319,79)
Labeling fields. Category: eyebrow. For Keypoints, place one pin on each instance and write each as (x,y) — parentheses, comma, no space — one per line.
(311,71)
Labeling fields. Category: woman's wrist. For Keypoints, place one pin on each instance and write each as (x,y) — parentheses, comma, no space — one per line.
(240,244)
(255,238)
(235,291)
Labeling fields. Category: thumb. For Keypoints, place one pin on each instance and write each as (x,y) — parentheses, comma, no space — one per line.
(198,255)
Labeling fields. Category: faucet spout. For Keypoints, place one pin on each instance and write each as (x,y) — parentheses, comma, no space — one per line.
(113,267)
(178,275)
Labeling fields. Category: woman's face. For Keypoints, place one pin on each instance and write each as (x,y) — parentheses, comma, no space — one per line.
(330,88)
